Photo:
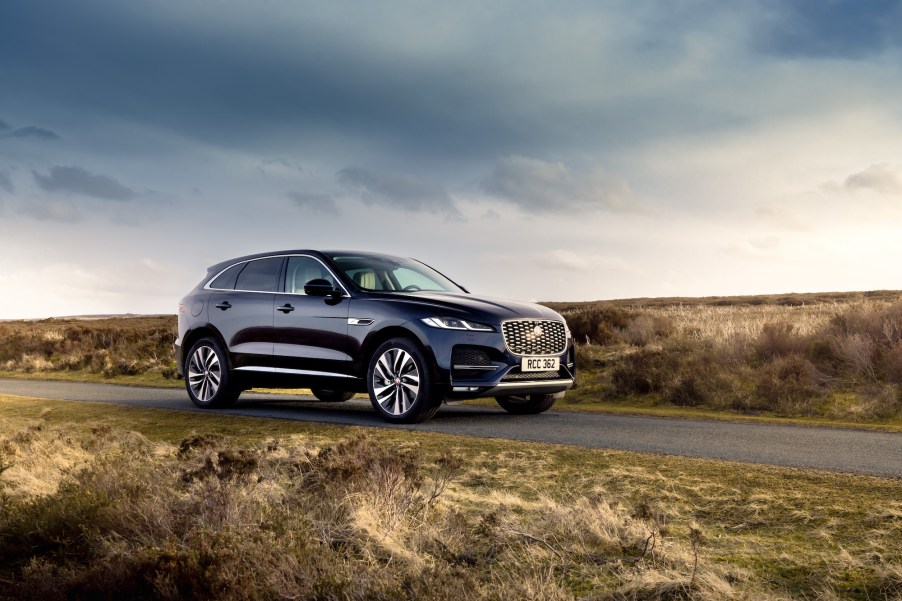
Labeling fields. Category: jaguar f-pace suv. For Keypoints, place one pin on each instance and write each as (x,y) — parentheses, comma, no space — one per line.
(340,323)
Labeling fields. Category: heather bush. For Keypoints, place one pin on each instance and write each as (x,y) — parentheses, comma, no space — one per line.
(357,519)
(777,340)
(833,360)
(789,385)
(109,347)
(598,325)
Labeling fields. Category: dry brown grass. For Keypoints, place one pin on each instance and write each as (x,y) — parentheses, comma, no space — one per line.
(121,346)
(176,505)
(836,357)
(281,519)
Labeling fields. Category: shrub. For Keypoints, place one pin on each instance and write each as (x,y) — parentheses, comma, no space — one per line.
(789,385)
(111,347)
(857,352)
(777,340)
(891,363)
(646,329)
(598,325)
(642,372)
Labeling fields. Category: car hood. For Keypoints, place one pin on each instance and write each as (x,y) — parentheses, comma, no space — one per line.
(482,308)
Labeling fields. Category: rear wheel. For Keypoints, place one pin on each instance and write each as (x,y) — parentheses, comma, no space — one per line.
(207,376)
(331,396)
(526,404)
(400,384)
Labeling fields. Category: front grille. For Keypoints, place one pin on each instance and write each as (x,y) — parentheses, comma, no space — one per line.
(535,337)
(532,375)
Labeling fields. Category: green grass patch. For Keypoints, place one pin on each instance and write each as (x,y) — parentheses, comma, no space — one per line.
(151,379)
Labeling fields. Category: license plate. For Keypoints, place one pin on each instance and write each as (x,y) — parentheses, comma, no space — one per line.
(540,364)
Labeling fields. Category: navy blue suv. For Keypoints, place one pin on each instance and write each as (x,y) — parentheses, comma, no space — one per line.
(340,323)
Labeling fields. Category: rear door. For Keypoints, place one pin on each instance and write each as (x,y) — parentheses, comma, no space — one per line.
(244,314)
(310,332)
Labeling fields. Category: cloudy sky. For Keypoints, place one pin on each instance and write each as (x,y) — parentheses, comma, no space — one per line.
(533,150)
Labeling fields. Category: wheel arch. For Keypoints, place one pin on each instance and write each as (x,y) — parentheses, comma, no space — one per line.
(205,331)
(375,340)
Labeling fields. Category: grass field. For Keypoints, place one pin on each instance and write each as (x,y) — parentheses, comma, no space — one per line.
(101,501)
(818,358)
(834,357)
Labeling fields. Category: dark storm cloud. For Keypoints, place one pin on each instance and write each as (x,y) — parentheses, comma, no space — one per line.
(318,203)
(31,131)
(421,86)
(832,28)
(3,125)
(76,180)
(206,74)
(397,191)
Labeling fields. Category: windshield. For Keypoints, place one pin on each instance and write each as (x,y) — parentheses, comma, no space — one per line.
(390,274)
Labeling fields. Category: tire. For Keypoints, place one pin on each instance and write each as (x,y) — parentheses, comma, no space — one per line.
(400,383)
(207,376)
(526,405)
(331,396)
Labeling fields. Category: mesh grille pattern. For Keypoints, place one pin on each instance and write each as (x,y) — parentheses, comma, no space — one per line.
(469,356)
(535,337)
(532,375)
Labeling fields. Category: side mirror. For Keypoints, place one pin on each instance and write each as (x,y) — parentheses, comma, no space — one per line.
(323,288)
(318,287)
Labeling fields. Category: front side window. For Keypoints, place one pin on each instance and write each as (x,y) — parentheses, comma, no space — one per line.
(302,270)
(390,274)
(259,275)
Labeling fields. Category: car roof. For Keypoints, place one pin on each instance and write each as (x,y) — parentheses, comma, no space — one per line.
(321,253)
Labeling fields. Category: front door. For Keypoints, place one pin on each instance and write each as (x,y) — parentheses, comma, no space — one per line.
(310,332)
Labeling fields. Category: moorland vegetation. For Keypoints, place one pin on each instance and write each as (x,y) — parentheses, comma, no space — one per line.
(835,356)
(107,502)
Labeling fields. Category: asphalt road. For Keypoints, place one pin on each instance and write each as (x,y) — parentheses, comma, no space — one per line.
(833,449)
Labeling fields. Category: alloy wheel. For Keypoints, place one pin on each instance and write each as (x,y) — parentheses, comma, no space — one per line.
(204,373)
(396,381)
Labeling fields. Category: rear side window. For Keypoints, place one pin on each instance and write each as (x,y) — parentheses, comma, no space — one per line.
(259,275)
(226,280)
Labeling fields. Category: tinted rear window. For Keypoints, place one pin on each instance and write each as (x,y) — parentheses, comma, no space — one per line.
(226,280)
(259,275)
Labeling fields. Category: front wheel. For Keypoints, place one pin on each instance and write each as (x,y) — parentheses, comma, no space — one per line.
(526,404)
(207,376)
(400,384)
(331,396)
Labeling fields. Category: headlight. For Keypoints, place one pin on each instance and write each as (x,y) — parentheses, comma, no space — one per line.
(453,323)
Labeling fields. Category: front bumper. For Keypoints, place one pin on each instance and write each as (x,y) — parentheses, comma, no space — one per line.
(499,372)
(512,389)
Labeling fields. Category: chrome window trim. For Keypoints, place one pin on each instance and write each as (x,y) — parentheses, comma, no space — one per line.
(345,293)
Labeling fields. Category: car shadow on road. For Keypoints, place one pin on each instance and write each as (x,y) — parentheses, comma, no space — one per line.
(357,412)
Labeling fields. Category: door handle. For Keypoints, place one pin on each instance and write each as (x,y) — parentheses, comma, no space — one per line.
(224,305)
(286,309)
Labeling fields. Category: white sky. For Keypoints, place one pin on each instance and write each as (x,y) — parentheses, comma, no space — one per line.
(529,150)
